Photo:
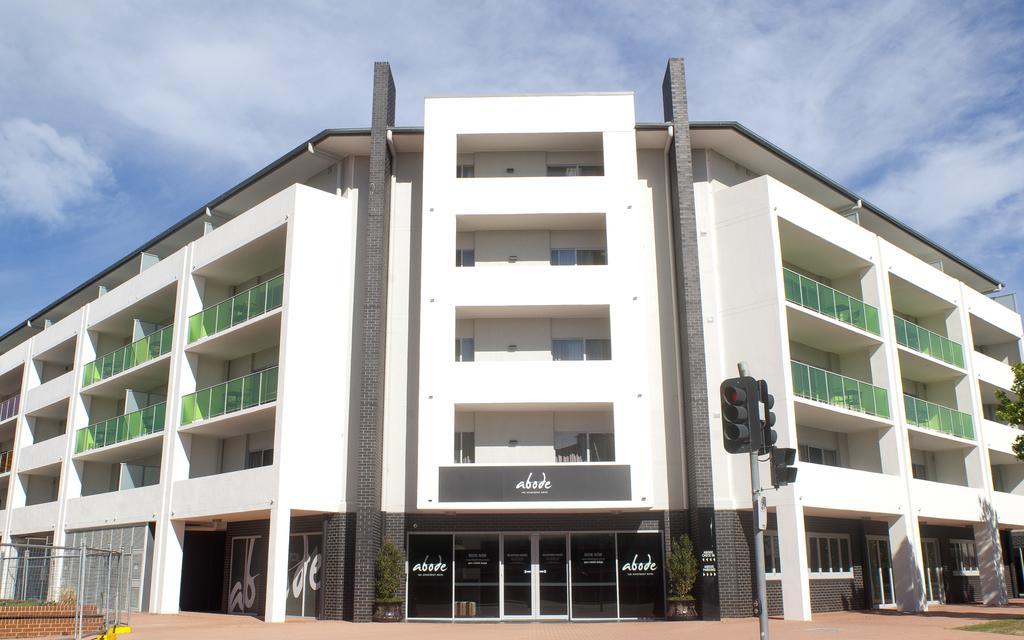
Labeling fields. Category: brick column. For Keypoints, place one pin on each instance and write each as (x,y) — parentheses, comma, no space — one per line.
(371,338)
(704,522)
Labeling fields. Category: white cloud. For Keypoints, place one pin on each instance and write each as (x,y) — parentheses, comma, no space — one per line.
(43,173)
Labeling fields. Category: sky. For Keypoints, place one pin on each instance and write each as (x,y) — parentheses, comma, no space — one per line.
(119,118)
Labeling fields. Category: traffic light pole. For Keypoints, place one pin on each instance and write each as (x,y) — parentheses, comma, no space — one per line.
(755,488)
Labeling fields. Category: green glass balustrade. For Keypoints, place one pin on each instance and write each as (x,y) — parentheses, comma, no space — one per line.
(838,390)
(830,302)
(122,428)
(142,350)
(928,342)
(237,309)
(929,415)
(231,396)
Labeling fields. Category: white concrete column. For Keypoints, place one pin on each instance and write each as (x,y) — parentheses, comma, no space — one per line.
(990,560)
(165,581)
(277,563)
(907,564)
(796,586)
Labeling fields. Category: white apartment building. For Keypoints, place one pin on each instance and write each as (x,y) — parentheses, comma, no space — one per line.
(497,340)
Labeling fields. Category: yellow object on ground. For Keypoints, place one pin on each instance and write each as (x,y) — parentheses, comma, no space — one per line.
(114,632)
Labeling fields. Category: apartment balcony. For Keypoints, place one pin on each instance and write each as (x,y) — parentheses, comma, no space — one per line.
(6,461)
(42,454)
(516,285)
(241,405)
(93,441)
(9,408)
(50,392)
(926,356)
(225,493)
(123,507)
(1009,508)
(838,402)
(826,301)
(36,518)
(505,196)
(933,417)
(948,502)
(1000,436)
(533,381)
(851,490)
(132,357)
(994,372)
(244,323)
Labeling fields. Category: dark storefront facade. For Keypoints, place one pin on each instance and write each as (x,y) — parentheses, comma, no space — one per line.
(593,575)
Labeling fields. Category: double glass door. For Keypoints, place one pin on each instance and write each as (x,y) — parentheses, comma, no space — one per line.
(535,581)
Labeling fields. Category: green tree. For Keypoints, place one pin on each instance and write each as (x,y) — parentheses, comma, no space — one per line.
(1012,411)
(682,569)
(389,572)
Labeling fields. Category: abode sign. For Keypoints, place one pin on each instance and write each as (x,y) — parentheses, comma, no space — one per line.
(465,483)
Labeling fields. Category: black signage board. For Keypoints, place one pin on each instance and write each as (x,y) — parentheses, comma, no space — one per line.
(430,576)
(641,576)
(545,483)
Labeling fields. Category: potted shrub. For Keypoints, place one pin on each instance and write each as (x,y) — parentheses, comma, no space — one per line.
(388,606)
(682,573)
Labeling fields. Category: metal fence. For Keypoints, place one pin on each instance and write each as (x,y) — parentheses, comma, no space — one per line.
(69,592)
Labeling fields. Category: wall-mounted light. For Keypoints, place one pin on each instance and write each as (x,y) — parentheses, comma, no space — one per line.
(513,259)
(513,348)
(510,170)
(513,443)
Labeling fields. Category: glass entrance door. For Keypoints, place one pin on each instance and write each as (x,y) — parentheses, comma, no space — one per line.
(880,568)
(553,576)
(517,586)
(535,573)
(932,570)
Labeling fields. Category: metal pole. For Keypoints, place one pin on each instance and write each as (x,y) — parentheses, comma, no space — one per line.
(79,622)
(106,590)
(755,490)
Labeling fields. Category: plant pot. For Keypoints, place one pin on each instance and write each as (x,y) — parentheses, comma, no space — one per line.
(681,610)
(387,611)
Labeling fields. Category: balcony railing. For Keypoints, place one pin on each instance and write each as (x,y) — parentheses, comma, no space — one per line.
(929,415)
(231,396)
(928,342)
(237,309)
(9,408)
(6,458)
(146,348)
(840,391)
(827,301)
(122,428)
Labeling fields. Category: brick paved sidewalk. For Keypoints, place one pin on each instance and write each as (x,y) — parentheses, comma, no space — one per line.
(938,624)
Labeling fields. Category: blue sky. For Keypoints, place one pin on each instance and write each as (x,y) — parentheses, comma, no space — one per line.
(119,118)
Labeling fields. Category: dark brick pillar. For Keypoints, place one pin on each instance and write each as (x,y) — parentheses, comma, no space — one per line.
(369,520)
(693,392)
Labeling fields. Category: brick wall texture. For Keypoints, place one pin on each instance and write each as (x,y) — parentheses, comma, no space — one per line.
(369,519)
(46,620)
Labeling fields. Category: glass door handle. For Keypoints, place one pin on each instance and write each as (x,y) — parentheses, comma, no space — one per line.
(542,570)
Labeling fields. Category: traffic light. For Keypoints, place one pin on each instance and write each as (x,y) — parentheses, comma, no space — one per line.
(783,471)
(741,422)
(768,436)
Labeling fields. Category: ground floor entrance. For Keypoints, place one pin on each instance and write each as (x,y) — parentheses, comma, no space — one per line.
(535,576)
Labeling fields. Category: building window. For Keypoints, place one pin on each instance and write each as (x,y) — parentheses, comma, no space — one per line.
(965,562)
(465,447)
(261,458)
(574,257)
(573,170)
(465,171)
(465,258)
(581,349)
(464,350)
(818,455)
(919,471)
(772,560)
(828,556)
(572,446)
